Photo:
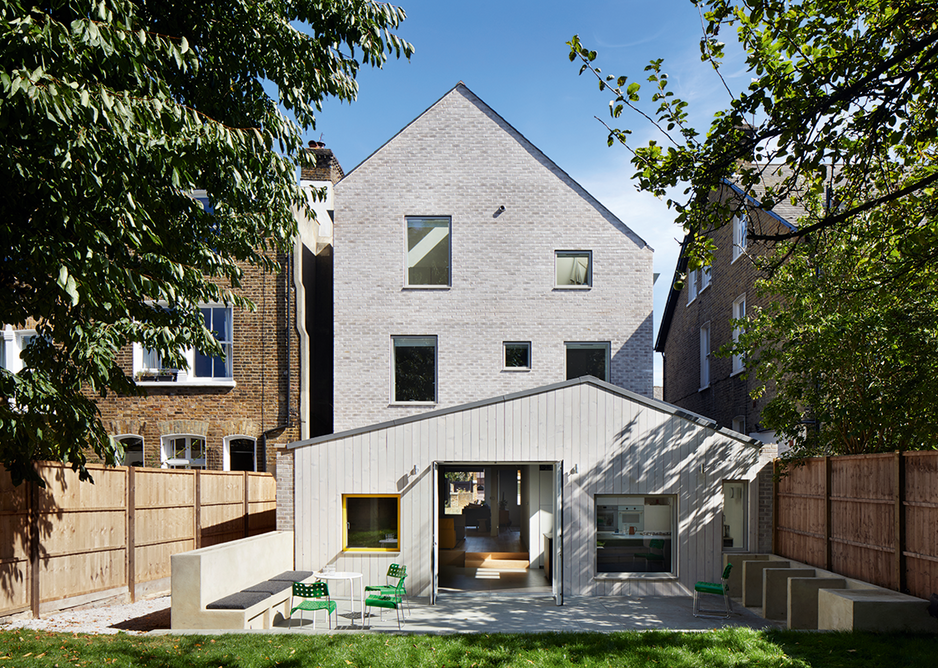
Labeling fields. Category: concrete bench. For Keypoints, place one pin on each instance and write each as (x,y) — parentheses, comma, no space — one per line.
(802,599)
(242,584)
(775,592)
(873,610)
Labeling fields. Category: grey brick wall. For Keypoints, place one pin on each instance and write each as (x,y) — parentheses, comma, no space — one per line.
(285,490)
(460,159)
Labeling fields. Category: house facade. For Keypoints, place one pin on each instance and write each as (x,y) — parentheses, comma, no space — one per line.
(699,319)
(468,265)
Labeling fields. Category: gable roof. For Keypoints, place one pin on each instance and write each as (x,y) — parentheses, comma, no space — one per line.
(460,89)
(653,404)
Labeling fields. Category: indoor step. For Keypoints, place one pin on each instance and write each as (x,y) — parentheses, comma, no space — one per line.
(498,560)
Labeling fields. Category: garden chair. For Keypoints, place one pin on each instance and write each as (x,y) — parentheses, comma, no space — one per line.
(394,583)
(716,589)
(315,596)
(393,601)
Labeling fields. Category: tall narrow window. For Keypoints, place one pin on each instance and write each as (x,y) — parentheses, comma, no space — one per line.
(739,313)
(588,359)
(573,269)
(240,454)
(691,286)
(218,321)
(414,369)
(705,277)
(428,251)
(705,356)
(133,450)
(734,515)
(740,232)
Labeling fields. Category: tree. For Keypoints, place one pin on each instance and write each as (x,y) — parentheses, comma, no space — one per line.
(113,112)
(843,98)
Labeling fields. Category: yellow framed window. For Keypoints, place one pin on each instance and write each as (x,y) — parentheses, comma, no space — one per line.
(372,522)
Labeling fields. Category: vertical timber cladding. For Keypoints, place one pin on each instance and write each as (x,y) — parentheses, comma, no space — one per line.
(617,442)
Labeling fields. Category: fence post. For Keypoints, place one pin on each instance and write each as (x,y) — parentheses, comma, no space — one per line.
(132,533)
(900,523)
(247,506)
(198,509)
(775,467)
(34,548)
(828,530)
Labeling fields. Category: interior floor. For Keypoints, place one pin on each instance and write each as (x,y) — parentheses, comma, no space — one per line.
(485,563)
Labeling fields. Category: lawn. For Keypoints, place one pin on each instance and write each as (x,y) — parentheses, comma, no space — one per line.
(653,649)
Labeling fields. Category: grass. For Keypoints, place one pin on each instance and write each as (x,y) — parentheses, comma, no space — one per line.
(653,649)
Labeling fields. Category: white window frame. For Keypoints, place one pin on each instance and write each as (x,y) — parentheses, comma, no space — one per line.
(436,370)
(740,233)
(226,449)
(122,437)
(187,462)
(505,367)
(606,346)
(739,312)
(587,278)
(187,375)
(705,356)
(14,342)
(407,252)
(691,286)
(705,277)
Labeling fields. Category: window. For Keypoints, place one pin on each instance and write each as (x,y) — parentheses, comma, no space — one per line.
(414,369)
(739,313)
(588,359)
(740,232)
(705,276)
(372,522)
(574,269)
(12,345)
(734,515)
(428,252)
(634,534)
(240,454)
(739,424)
(517,355)
(133,450)
(705,356)
(200,368)
(183,452)
(691,286)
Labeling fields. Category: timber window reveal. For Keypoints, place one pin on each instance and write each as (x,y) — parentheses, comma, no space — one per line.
(635,534)
(182,451)
(239,453)
(705,356)
(428,261)
(133,450)
(413,369)
(517,355)
(739,313)
(588,358)
(740,232)
(573,269)
(371,522)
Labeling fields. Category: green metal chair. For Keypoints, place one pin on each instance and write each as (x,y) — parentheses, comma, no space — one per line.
(715,589)
(394,587)
(315,597)
(393,601)
(651,555)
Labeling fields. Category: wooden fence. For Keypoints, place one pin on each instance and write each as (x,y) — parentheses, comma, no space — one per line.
(870,517)
(75,542)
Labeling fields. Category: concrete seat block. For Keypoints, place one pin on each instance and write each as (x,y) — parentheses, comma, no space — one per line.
(735,582)
(753,581)
(802,599)
(873,610)
(775,589)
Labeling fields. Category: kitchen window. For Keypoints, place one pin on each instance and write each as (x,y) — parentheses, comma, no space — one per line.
(635,534)
(372,522)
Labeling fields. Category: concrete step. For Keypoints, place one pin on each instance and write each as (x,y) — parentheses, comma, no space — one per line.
(508,561)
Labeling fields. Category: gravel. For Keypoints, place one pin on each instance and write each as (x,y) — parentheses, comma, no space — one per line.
(134,618)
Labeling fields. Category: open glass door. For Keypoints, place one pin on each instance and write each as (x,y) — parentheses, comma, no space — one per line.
(435,532)
(557,556)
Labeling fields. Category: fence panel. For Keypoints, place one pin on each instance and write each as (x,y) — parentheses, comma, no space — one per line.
(801,513)
(14,546)
(920,521)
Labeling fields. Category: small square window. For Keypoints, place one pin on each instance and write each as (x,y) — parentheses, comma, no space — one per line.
(574,269)
(428,252)
(588,359)
(414,369)
(372,522)
(517,354)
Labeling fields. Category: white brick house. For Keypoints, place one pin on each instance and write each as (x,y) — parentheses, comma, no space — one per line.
(468,265)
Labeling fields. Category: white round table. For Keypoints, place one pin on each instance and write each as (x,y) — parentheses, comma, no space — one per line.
(351,577)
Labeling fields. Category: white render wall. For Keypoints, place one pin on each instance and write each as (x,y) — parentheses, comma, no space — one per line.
(460,159)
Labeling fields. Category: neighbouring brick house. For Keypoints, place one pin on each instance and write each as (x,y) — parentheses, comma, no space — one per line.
(469,265)
(232,415)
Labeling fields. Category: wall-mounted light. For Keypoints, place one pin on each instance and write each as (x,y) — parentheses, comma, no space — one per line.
(499,211)
(573,470)
(414,470)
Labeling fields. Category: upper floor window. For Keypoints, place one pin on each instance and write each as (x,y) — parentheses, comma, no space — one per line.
(573,269)
(692,285)
(740,232)
(12,345)
(200,367)
(705,277)
(588,359)
(428,252)
(413,369)
(518,355)
(739,313)
(705,356)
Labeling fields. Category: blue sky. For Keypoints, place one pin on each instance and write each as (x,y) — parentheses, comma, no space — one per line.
(513,55)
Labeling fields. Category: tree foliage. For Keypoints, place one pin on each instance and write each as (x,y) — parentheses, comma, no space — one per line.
(843,98)
(112,113)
